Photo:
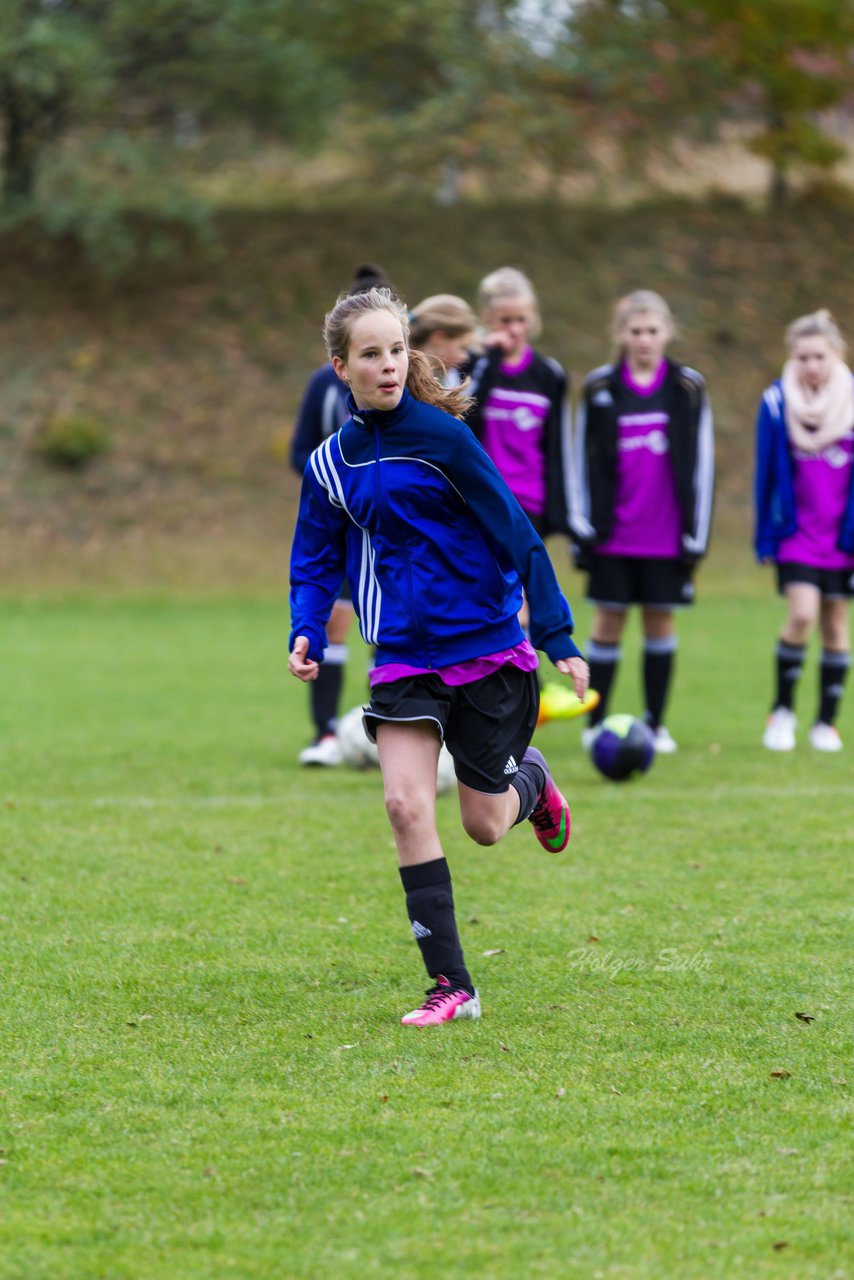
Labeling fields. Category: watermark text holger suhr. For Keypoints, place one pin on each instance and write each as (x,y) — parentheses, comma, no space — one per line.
(668,960)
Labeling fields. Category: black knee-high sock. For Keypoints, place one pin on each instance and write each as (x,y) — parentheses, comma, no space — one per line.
(832,673)
(326,689)
(603,660)
(790,664)
(430,904)
(529,780)
(658,659)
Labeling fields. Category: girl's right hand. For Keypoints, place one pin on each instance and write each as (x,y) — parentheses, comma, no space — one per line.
(299,664)
(497,338)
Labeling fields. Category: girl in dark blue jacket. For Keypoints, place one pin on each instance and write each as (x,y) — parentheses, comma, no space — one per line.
(805,519)
(406,503)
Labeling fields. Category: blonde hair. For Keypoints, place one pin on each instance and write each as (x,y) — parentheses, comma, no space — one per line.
(421,381)
(819,324)
(632,304)
(442,312)
(507,282)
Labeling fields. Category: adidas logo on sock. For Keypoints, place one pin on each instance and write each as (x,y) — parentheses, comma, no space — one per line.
(420,930)
(511,766)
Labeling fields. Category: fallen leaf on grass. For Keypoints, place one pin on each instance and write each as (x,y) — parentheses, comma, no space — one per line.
(593,938)
(143,1017)
(805,1017)
(782,1074)
(614,1089)
(780,1244)
(842,1083)
(209,1172)
(787,1151)
(418,1172)
(383,1097)
(561,1093)
(235,880)
(494,951)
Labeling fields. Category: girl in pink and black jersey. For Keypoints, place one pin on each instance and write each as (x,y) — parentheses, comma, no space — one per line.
(805,518)
(519,405)
(641,499)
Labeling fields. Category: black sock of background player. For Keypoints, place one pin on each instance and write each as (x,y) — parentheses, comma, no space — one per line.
(604,660)
(326,690)
(832,672)
(790,664)
(658,658)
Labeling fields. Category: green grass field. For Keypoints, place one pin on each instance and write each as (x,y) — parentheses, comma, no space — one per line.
(205,955)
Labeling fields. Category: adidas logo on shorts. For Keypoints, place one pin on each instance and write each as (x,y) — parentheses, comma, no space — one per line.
(511,766)
(420,930)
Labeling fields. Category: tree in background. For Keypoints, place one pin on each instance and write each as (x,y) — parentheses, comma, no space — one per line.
(439,89)
(128,74)
(657,70)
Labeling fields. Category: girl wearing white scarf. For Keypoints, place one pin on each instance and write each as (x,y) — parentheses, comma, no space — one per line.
(813,404)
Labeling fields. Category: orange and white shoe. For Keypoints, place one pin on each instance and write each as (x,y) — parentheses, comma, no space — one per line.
(825,737)
(444,1003)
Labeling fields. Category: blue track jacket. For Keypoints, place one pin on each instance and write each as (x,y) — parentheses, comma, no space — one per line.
(436,549)
(776,516)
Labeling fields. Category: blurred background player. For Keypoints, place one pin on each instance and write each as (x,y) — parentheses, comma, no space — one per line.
(444,327)
(641,499)
(322,411)
(519,412)
(805,518)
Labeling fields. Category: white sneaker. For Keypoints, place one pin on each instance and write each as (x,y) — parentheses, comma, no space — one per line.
(588,736)
(326,751)
(663,743)
(825,737)
(779,732)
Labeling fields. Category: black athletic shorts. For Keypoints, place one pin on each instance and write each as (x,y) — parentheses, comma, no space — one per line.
(487,725)
(615,582)
(834,584)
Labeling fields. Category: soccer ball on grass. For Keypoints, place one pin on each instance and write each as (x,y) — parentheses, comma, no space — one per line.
(357,750)
(622,747)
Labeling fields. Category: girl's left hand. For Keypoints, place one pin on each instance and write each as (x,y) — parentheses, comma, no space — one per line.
(299,663)
(578,669)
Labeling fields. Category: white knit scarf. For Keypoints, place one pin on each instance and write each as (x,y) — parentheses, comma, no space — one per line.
(817,419)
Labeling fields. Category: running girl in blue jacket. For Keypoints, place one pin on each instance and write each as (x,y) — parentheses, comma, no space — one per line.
(805,519)
(406,503)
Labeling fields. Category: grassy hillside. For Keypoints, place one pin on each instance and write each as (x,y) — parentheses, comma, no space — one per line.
(195,367)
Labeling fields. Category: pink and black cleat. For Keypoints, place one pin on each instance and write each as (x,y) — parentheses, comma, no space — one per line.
(551,818)
(444,1002)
